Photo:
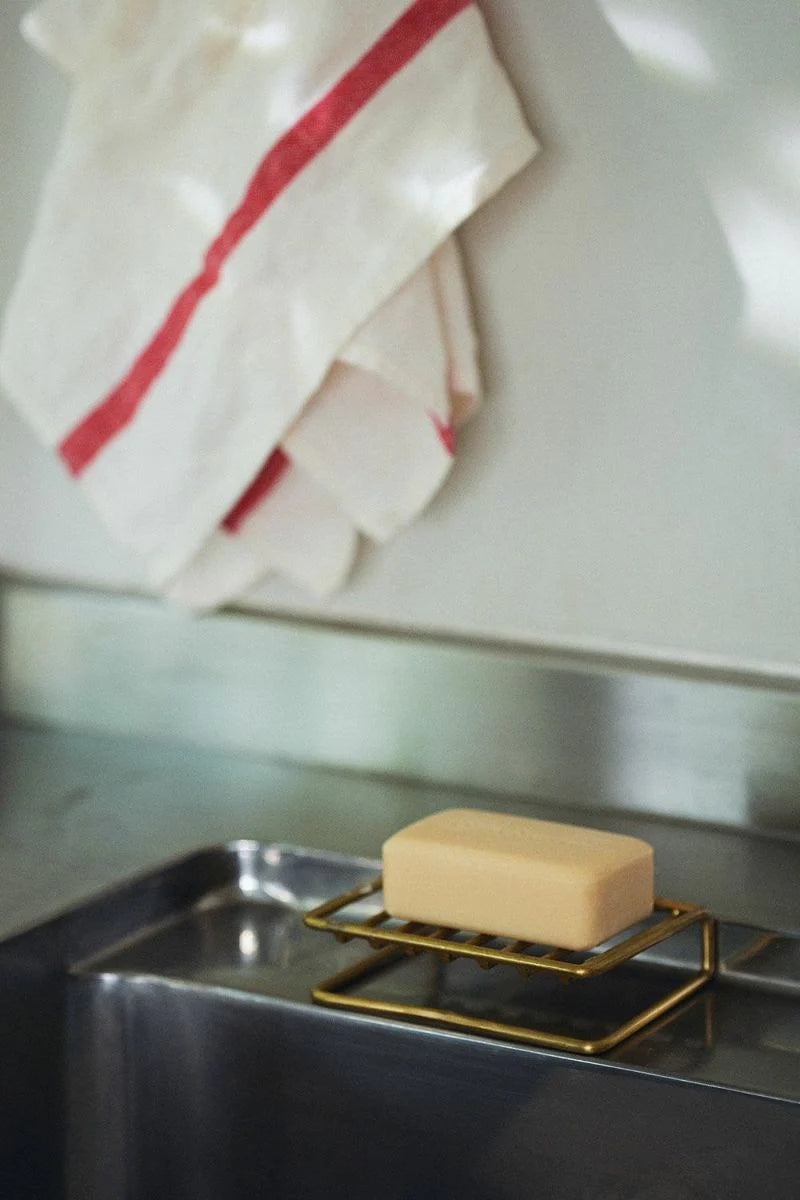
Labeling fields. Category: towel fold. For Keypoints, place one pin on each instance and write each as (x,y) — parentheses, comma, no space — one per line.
(241,319)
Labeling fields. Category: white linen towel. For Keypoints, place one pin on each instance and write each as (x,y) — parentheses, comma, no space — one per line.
(241,319)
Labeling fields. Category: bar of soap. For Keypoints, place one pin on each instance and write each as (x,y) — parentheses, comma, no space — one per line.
(535,881)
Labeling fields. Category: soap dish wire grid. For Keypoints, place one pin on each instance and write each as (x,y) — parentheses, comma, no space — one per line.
(392,940)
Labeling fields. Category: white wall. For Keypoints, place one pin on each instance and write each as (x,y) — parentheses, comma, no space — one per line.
(634,482)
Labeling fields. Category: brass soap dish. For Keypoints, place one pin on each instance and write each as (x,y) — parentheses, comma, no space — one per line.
(393,939)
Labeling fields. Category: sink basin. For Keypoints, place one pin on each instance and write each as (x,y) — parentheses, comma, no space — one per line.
(160,1042)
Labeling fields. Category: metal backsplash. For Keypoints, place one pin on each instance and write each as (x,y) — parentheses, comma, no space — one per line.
(504,720)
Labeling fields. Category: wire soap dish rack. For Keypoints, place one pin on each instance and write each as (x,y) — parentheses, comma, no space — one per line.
(392,940)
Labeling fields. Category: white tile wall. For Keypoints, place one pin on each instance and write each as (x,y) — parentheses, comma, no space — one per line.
(634,482)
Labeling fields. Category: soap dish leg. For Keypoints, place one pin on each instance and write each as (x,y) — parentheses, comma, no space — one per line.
(335,993)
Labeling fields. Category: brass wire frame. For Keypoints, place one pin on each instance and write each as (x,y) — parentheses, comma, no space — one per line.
(411,938)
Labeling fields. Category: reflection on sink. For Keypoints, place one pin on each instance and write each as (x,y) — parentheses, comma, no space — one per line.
(215,943)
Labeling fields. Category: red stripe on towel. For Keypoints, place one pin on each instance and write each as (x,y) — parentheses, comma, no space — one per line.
(287,158)
(447,434)
(268,477)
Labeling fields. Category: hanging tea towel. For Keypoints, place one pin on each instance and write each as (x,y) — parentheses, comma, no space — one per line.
(241,320)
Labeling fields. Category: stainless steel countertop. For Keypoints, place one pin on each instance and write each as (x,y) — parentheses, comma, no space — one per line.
(80,812)
(502,720)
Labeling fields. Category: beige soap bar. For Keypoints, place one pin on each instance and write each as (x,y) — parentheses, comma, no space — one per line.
(537,881)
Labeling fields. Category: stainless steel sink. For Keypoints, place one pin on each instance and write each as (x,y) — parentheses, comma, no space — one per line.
(159,1042)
